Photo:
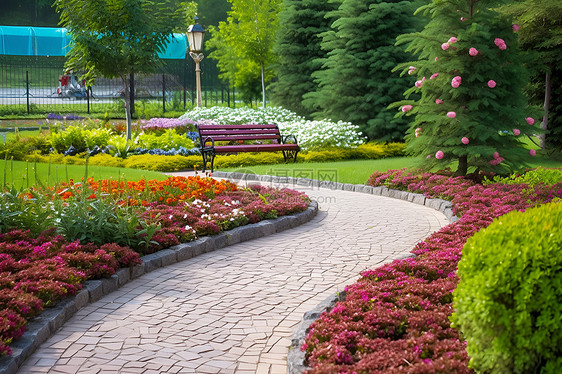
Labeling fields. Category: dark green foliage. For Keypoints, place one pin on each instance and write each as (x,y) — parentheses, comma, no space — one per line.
(486,116)
(540,33)
(356,83)
(554,137)
(298,45)
(507,303)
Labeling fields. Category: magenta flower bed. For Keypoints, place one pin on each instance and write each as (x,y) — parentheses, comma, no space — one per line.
(37,272)
(395,319)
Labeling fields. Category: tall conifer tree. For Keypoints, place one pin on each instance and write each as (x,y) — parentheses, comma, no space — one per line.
(356,82)
(471,76)
(298,46)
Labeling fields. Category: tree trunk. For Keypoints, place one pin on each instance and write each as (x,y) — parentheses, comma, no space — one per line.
(263,85)
(544,123)
(463,166)
(125,80)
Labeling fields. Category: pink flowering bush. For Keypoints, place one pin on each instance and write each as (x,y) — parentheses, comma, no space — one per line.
(395,319)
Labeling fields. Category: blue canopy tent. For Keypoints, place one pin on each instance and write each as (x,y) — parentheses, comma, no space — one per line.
(52,41)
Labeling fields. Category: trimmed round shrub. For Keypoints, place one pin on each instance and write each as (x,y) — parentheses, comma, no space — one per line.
(508,303)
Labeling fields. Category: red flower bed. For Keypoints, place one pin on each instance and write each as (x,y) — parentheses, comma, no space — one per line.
(37,271)
(395,319)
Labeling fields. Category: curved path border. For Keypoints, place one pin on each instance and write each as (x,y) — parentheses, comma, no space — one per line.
(235,310)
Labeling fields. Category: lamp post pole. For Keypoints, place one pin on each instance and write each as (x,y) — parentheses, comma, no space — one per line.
(197,57)
(195,34)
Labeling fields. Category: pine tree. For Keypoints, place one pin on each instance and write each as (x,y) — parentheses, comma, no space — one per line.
(470,75)
(356,82)
(540,23)
(298,46)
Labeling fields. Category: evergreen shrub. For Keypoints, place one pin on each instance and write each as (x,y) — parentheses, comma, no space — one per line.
(508,299)
(532,177)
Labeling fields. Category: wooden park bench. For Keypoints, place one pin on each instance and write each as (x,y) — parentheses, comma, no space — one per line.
(220,139)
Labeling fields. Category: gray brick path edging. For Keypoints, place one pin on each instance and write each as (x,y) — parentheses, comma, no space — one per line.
(295,357)
(50,320)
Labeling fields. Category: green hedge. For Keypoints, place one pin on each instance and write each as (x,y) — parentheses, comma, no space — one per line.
(508,302)
(176,163)
(532,177)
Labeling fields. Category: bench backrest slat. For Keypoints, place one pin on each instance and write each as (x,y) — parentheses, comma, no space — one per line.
(236,127)
(251,132)
(239,132)
(228,138)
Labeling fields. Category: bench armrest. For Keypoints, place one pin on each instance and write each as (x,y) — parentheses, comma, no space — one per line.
(206,140)
(285,139)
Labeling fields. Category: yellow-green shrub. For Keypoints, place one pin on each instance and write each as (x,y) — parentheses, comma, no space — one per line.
(246,159)
(161,163)
(508,301)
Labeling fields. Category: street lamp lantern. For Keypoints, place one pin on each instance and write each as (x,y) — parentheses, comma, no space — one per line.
(195,34)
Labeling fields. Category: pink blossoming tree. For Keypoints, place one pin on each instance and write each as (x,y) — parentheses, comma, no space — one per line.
(481,77)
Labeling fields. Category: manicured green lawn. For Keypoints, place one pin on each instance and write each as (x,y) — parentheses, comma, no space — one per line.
(351,171)
(354,171)
(22,174)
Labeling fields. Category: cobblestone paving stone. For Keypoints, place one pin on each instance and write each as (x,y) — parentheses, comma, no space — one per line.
(234,310)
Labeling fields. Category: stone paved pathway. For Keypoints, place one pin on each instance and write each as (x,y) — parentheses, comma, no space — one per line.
(235,309)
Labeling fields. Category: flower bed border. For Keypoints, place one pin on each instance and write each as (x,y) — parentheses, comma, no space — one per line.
(50,320)
(296,357)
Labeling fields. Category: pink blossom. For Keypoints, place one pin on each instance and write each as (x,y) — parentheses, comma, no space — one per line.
(491,83)
(516,132)
(406,108)
(465,140)
(411,69)
(496,155)
(463,19)
(532,152)
(500,43)
(439,155)
(433,76)
(438,101)
(420,82)
(418,131)
(436,58)
(428,156)
(456,81)
(445,46)
(451,114)
(473,51)
(530,120)
(515,27)
(496,161)
(452,40)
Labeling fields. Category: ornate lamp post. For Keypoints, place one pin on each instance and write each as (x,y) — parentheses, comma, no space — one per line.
(195,34)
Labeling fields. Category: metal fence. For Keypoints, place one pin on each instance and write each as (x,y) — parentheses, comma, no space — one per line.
(38,85)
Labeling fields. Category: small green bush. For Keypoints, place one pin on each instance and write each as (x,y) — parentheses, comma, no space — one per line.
(508,301)
(162,163)
(531,177)
(169,139)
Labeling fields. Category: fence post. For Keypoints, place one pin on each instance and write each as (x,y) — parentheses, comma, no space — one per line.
(185,84)
(132,92)
(27,88)
(88,98)
(163,93)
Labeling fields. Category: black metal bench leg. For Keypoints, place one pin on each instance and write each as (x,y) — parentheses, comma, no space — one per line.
(208,158)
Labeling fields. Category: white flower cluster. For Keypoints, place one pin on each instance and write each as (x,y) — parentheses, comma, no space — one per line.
(310,134)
